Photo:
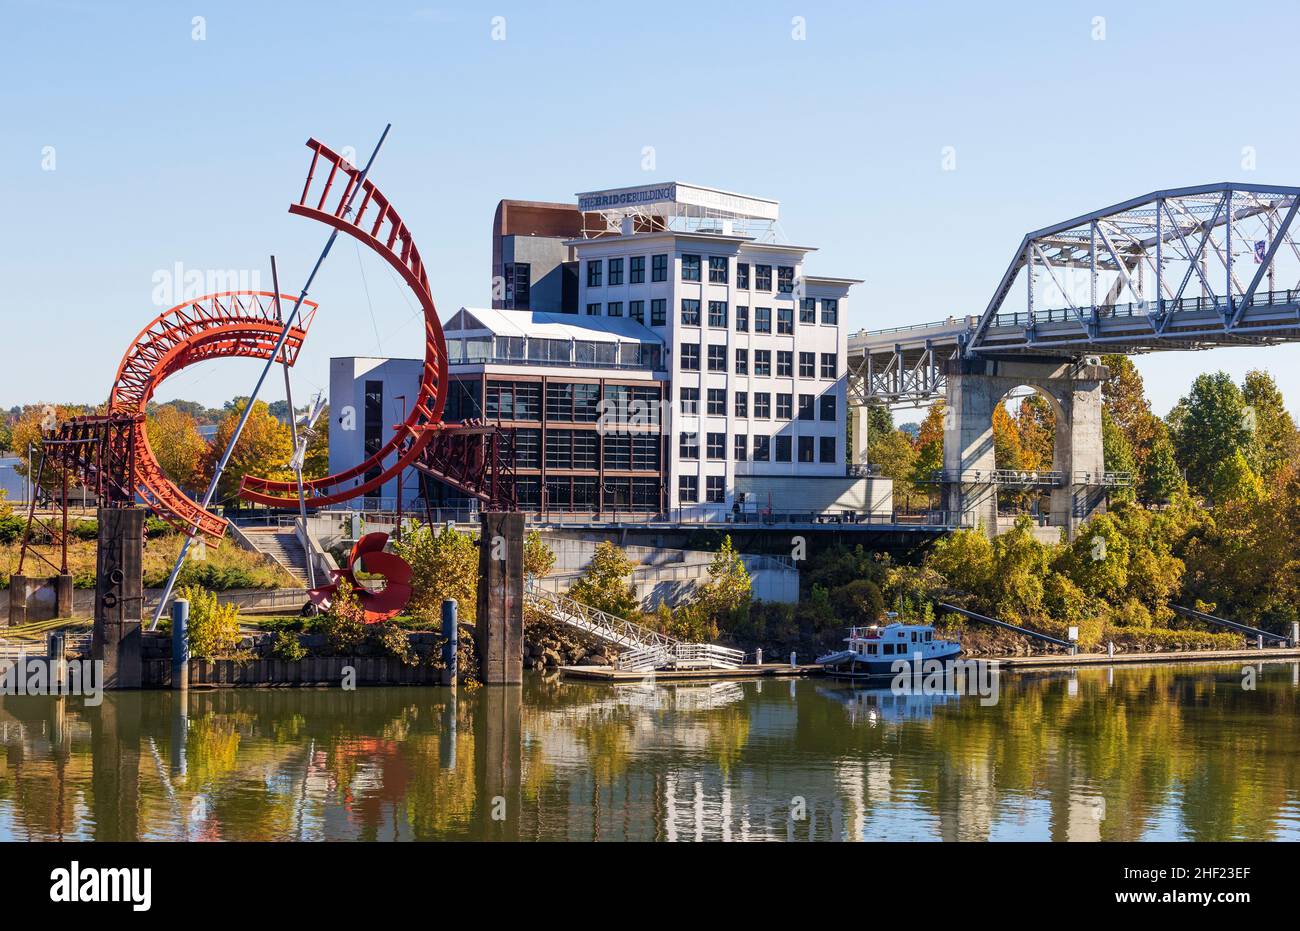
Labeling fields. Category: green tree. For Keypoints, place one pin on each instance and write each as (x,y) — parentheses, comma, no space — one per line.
(444,566)
(1235,481)
(1117,453)
(605,584)
(213,627)
(1212,428)
(1161,480)
(1276,440)
(1124,396)
(892,452)
(729,587)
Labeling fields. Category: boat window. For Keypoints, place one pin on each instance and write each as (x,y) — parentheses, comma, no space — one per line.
(871,648)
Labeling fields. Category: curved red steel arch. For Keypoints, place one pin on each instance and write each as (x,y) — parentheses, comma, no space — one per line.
(230,324)
(377,225)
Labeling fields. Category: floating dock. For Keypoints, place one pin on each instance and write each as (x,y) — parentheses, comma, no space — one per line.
(610,674)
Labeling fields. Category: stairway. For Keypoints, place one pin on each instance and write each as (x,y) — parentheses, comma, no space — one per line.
(644,650)
(284,547)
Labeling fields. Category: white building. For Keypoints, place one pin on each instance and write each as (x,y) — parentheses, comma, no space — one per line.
(701,374)
(756,347)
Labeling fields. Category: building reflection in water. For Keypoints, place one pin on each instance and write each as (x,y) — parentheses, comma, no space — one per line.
(1114,753)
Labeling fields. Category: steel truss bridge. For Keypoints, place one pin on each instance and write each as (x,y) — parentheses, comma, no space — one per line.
(1186,268)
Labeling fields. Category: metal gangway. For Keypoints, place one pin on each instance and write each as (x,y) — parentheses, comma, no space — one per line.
(643,649)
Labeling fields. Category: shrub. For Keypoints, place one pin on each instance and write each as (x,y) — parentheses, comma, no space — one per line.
(288,646)
(397,642)
(213,627)
(344,623)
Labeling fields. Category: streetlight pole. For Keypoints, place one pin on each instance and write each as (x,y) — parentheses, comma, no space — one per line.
(401,473)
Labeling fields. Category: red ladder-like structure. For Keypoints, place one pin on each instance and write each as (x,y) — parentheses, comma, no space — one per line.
(376,224)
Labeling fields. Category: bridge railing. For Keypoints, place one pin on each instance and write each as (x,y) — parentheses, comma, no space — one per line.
(1142,309)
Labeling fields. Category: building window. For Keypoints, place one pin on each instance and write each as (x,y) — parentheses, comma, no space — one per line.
(784,406)
(805,449)
(593,310)
(636,269)
(528,450)
(715,445)
(784,363)
(831,312)
(690,312)
(593,273)
(614,309)
(717,269)
(763,405)
(689,400)
(617,453)
(742,403)
(658,311)
(645,453)
(762,277)
(636,310)
(762,319)
(808,310)
(688,489)
(742,274)
(828,407)
(807,365)
(762,448)
(559,449)
(742,361)
(690,357)
(717,358)
(586,403)
(806,409)
(717,404)
(830,365)
(715,489)
(718,314)
(782,449)
(762,362)
(518,277)
(785,320)
(615,271)
(742,319)
(690,268)
(785,279)
(658,268)
(688,446)
(828,449)
(374,422)
(741,447)
(506,400)
(586,449)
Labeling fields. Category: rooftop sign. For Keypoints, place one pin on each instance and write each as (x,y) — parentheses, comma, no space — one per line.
(674,195)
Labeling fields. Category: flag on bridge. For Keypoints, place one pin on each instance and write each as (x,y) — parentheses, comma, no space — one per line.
(1261,249)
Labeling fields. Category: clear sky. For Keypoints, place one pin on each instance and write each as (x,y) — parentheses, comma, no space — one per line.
(170,149)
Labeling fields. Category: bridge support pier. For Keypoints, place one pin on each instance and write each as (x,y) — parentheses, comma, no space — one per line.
(975,387)
(499,627)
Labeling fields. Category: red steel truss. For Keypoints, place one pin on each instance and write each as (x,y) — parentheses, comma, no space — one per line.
(331,181)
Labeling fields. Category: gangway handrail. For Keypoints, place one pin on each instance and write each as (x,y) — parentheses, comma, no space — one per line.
(1234,625)
(992,620)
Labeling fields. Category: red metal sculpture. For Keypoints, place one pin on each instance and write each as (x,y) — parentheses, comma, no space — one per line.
(368,556)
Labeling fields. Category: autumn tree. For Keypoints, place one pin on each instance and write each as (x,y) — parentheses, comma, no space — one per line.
(539,559)
(176,443)
(264,448)
(1036,424)
(605,584)
(1124,395)
(444,566)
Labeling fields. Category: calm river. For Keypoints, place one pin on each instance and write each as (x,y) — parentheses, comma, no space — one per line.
(1122,753)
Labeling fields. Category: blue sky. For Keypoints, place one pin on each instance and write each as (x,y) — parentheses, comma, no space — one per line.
(167,149)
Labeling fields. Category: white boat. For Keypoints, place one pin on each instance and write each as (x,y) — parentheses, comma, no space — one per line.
(874,650)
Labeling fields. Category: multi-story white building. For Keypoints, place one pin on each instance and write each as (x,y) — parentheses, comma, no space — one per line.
(699,374)
(755,346)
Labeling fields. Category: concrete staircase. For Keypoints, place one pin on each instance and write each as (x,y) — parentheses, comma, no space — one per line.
(283,546)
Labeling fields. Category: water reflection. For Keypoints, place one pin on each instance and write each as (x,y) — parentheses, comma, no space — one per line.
(1118,753)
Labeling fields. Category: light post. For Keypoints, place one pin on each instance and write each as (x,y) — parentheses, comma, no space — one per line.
(401,475)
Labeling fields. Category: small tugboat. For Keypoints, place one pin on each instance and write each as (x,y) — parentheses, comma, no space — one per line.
(873,650)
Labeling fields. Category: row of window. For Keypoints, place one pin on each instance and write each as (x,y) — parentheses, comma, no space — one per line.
(598,270)
(718,313)
(584,449)
(716,404)
(688,489)
(715,447)
(586,493)
(577,403)
(717,362)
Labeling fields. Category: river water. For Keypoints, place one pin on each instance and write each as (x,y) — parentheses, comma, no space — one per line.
(1121,753)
